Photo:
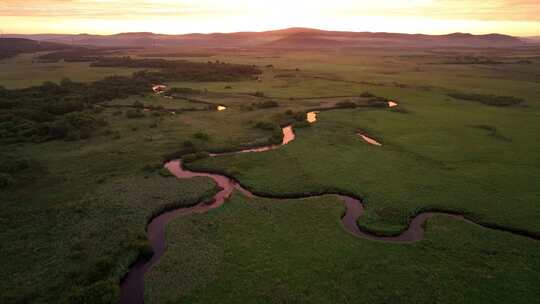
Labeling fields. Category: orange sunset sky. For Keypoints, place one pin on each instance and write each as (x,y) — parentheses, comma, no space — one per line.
(515,17)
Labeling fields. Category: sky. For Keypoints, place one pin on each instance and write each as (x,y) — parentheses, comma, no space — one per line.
(514,17)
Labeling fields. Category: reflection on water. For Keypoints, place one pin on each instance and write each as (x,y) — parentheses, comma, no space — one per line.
(159,88)
(288,135)
(221,108)
(312,116)
(370,140)
(392,104)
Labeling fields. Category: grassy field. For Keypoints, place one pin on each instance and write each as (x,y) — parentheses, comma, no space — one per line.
(295,251)
(75,219)
(24,71)
(435,157)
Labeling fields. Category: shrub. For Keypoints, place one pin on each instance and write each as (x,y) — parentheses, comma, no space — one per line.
(6,180)
(58,129)
(301,124)
(265,125)
(73,135)
(277,137)
(97,293)
(165,172)
(201,136)
(202,154)
(185,91)
(267,104)
(144,248)
(138,104)
(189,158)
(63,106)
(300,116)
(490,100)
(346,104)
(367,95)
(195,156)
(10,164)
(132,114)
(188,144)
(81,120)
(98,109)
(34,115)
(377,103)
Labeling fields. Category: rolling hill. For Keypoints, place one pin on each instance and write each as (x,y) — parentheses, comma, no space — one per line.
(13,46)
(287,38)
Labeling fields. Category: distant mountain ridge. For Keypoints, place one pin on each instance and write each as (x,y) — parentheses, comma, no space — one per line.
(10,47)
(285,38)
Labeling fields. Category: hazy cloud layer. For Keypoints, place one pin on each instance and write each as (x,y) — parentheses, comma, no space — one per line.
(515,16)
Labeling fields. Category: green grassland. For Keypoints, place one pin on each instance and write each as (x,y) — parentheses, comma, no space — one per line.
(25,70)
(431,158)
(74,220)
(295,251)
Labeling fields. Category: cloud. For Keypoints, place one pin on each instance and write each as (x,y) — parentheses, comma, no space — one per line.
(101,9)
(511,16)
(441,9)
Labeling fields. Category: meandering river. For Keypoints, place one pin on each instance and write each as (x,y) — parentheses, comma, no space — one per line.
(132,285)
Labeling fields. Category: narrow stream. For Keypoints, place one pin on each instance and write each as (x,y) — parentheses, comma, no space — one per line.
(132,285)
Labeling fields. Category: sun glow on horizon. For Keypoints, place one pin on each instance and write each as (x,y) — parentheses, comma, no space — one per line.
(516,17)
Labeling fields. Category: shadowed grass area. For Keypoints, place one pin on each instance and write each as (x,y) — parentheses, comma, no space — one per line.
(74,220)
(295,251)
(101,234)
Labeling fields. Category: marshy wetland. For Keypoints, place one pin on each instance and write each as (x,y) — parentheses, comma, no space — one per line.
(445,210)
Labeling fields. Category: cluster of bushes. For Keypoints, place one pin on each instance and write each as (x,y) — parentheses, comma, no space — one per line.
(346,104)
(201,136)
(367,95)
(181,70)
(374,100)
(184,91)
(134,113)
(471,60)
(195,156)
(72,55)
(10,167)
(491,100)
(266,104)
(265,125)
(66,110)
(378,102)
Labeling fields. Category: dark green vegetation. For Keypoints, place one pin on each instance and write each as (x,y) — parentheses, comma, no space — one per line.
(73,212)
(67,110)
(102,233)
(181,70)
(294,251)
(490,100)
(62,111)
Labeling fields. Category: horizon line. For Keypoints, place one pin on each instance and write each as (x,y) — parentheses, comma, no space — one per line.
(264,31)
